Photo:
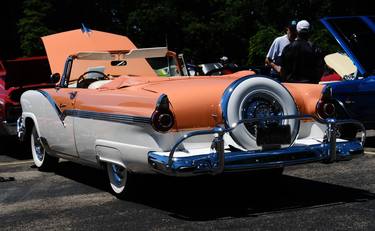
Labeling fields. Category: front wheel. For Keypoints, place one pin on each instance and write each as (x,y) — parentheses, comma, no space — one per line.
(119,179)
(41,158)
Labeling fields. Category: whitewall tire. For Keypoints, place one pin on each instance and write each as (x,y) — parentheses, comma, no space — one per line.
(41,158)
(246,94)
(119,180)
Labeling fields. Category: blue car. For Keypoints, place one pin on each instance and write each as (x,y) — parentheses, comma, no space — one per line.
(354,96)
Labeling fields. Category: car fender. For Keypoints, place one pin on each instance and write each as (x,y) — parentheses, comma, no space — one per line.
(26,116)
(132,157)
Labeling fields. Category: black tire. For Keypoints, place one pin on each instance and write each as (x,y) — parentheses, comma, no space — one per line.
(42,159)
(120,181)
(348,131)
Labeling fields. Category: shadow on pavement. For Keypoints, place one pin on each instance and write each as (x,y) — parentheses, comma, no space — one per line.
(232,195)
(370,142)
(11,148)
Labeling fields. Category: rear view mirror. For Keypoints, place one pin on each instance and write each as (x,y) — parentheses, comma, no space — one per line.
(55,78)
(118,63)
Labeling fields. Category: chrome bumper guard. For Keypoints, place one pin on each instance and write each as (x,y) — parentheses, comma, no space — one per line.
(220,160)
(20,129)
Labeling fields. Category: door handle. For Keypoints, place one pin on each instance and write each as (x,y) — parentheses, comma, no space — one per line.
(62,105)
(73,94)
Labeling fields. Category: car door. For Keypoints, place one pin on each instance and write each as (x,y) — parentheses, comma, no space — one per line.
(56,123)
(87,128)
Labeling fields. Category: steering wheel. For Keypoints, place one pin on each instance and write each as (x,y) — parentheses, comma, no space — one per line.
(82,82)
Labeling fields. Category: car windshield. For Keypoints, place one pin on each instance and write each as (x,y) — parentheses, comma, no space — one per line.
(139,62)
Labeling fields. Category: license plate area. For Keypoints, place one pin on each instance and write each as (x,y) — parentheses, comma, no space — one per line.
(273,135)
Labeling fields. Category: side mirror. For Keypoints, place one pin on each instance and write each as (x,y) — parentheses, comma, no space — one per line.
(55,78)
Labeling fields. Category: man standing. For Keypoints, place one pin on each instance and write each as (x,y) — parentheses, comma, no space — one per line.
(276,49)
(301,61)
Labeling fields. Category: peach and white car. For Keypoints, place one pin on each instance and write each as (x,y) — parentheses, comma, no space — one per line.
(111,110)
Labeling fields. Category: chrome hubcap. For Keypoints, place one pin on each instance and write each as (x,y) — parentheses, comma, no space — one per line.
(118,174)
(39,150)
(261,105)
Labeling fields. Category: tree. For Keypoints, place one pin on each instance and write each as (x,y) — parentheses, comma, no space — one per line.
(260,43)
(33,25)
(9,40)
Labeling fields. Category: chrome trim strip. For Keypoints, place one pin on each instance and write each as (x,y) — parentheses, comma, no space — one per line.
(126,119)
(53,103)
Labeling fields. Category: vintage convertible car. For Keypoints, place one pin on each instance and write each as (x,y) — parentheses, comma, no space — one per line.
(353,97)
(111,110)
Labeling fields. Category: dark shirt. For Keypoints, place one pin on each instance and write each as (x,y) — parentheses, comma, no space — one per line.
(301,62)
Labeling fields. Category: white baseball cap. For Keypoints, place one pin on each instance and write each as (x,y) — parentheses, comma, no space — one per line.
(303,25)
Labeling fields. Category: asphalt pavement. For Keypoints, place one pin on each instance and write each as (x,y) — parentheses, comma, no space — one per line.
(339,196)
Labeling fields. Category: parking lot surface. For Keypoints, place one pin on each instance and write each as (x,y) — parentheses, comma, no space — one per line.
(339,196)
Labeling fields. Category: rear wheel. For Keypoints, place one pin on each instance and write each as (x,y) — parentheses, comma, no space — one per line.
(348,131)
(119,180)
(41,158)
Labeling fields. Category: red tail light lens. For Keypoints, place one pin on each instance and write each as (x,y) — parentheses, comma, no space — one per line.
(326,109)
(162,119)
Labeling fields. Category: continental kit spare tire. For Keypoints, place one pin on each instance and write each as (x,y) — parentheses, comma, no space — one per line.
(252,97)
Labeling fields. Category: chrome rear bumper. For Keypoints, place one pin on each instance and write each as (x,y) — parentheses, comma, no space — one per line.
(219,160)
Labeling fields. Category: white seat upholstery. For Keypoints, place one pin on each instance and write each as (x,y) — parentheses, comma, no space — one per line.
(98,84)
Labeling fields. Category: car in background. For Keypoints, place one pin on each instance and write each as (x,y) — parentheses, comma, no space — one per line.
(353,96)
(110,109)
(16,77)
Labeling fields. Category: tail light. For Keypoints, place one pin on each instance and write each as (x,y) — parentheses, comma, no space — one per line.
(326,109)
(326,106)
(162,119)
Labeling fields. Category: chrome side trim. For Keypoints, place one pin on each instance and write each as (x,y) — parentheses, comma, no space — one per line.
(126,119)
(53,103)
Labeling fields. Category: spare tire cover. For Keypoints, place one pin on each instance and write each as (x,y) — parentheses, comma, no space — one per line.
(261,96)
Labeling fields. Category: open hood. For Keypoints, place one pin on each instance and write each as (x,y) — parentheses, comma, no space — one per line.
(356,35)
(60,46)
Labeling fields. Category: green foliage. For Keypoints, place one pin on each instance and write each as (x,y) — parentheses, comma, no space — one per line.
(33,25)
(204,30)
(260,43)
(324,40)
